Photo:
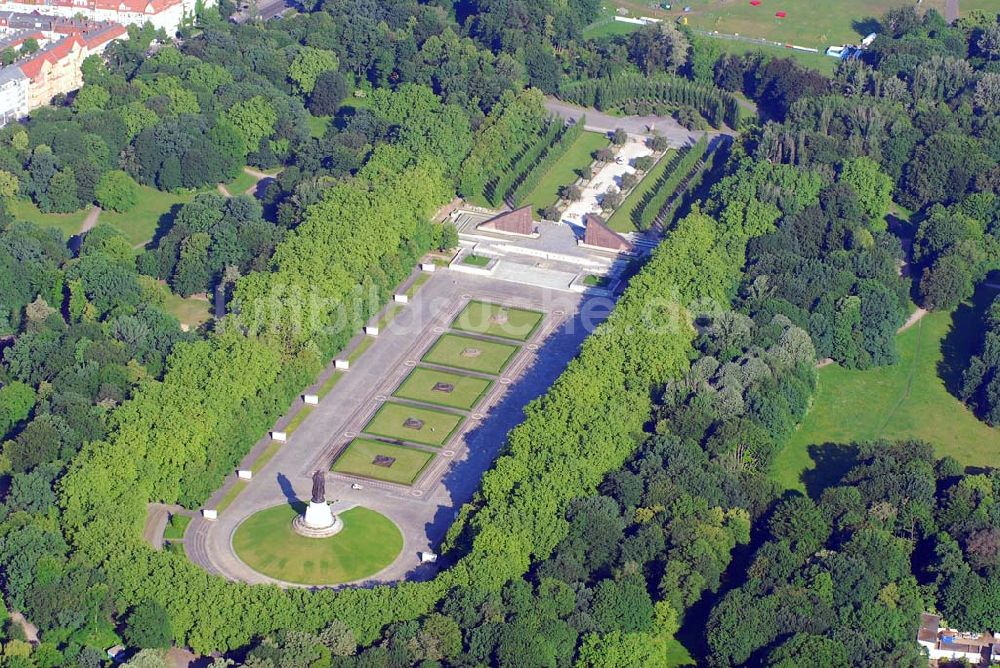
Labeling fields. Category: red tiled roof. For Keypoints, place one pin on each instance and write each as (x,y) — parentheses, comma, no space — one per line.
(597,233)
(518,221)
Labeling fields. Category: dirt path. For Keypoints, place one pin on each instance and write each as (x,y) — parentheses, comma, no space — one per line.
(951,11)
(30,630)
(224,191)
(90,222)
(257,173)
(913,319)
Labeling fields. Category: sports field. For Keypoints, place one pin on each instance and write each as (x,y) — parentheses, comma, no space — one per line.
(397,463)
(465,352)
(401,422)
(267,543)
(464,391)
(497,320)
(907,400)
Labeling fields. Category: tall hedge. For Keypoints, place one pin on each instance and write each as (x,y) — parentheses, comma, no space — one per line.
(681,165)
(527,181)
(716,105)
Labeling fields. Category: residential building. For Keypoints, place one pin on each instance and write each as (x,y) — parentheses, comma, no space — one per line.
(952,645)
(166,14)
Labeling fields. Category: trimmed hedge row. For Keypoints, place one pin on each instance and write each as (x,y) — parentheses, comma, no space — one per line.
(502,187)
(552,155)
(678,169)
(716,105)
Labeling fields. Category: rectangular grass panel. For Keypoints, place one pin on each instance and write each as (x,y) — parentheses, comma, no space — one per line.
(401,422)
(497,320)
(465,390)
(465,352)
(359,457)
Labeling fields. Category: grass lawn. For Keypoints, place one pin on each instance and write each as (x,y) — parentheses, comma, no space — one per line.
(476,260)
(267,455)
(241,183)
(358,459)
(463,352)
(566,170)
(267,543)
(496,320)
(437,427)
(68,223)
(318,125)
(140,224)
(191,311)
(417,283)
(388,316)
(328,384)
(907,400)
(816,61)
(466,392)
(595,281)
(176,526)
(621,219)
(296,421)
(231,495)
(365,344)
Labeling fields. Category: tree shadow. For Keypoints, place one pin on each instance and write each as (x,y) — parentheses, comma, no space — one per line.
(964,339)
(164,224)
(833,461)
(866,26)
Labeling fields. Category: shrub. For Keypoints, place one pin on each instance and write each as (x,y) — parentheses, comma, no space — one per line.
(116,191)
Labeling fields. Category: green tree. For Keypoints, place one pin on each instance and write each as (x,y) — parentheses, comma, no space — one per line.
(117,191)
(194,270)
(62,192)
(873,187)
(148,627)
(307,66)
(254,118)
(659,47)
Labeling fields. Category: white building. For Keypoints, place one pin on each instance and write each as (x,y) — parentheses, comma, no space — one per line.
(952,645)
(166,14)
(13,94)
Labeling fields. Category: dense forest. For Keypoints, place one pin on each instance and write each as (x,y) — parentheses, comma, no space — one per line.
(643,471)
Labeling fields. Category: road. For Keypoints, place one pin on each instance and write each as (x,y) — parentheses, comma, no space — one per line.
(951,11)
(636,125)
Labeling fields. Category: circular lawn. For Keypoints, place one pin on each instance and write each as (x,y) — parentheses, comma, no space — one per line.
(266,542)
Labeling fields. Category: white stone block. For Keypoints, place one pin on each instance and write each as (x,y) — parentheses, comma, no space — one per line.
(310,399)
(244,474)
(371,330)
(429,267)
(210,514)
(279,436)
(401,299)
(428,557)
(342,364)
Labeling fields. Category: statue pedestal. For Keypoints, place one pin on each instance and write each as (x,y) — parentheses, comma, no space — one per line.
(317,522)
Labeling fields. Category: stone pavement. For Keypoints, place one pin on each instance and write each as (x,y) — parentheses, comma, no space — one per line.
(425,511)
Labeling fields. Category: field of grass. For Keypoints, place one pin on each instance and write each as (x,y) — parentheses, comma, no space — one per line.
(567,170)
(267,455)
(495,320)
(318,125)
(176,526)
(267,543)
(140,224)
(328,384)
(231,495)
(459,352)
(68,223)
(191,311)
(417,283)
(241,183)
(299,418)
(365,344)
(358,459)
(476,260)
(621,219)
(389,422)
(419,386)
(907,400)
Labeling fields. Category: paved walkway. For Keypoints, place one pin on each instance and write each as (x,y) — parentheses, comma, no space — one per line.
(636,125)
(951,11)
(424,512)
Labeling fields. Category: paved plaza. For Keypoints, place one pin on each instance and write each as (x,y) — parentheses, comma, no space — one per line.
(426,508)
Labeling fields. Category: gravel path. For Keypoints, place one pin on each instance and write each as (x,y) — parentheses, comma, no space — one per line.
(636,125)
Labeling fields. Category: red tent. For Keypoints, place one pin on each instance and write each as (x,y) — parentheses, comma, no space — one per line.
(754,2)
(780,15)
